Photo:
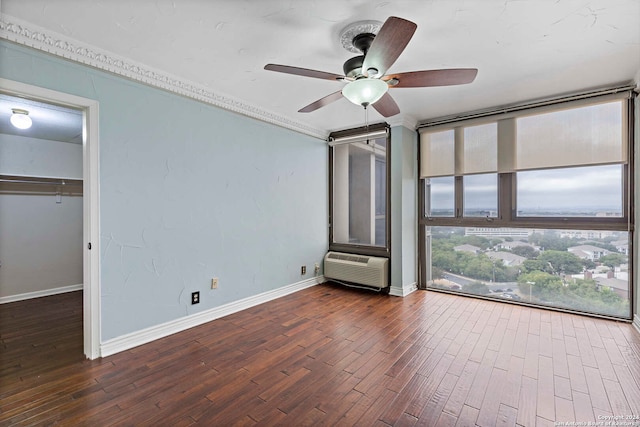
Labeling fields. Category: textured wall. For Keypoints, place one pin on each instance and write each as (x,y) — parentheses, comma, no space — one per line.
(188,192)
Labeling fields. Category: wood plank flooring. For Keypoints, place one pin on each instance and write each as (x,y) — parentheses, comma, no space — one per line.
(328,355)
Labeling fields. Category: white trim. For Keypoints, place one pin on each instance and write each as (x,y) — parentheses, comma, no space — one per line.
(42,293)
(403,291)
(91,201)
(31,35)
(91,230)
(134,339)
(405,120)
(636,322)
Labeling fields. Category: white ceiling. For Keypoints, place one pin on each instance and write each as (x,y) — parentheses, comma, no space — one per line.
(523,49)
(51,122)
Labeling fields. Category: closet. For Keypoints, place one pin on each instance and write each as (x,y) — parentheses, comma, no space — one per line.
(41,208)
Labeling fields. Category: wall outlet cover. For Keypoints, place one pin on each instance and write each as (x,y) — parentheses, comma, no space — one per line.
(195,297)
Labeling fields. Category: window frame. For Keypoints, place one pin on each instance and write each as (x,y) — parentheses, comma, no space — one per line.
(357,135)
(507,190)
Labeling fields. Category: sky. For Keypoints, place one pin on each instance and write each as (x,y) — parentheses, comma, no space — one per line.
(594,188)
(598,187)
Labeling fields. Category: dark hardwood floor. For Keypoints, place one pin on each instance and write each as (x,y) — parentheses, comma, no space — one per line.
(327,355)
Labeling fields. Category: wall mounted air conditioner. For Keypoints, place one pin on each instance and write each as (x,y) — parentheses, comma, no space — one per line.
(359,269)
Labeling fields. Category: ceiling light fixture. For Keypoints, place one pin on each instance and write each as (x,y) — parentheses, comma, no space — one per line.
(365,91)
(20,118)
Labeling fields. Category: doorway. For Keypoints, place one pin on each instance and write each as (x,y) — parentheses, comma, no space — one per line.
(90,200)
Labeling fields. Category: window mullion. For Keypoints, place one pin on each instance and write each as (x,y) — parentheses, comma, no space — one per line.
(458,154)
(506,196)
(459,196)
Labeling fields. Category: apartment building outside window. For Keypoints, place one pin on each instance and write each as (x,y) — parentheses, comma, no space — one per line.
(532,204)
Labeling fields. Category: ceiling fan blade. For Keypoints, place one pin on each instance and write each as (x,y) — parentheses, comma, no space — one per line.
(304,72)
(321,102)
(429,78)
(393,37)
(386,106)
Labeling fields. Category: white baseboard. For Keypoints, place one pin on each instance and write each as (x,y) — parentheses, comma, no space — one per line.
(403,291)
(38,294)
(134,339)
(636,322)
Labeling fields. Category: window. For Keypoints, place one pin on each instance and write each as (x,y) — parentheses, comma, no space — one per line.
(581,270)
(592,191)
(531,205)
(359,191)
(480,195)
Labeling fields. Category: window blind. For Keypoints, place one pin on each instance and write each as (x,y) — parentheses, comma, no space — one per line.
(480,148)
(583,132)
(589,135)
(437,151)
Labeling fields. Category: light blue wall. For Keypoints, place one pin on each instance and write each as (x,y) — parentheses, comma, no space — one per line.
(189,192)
(404,232)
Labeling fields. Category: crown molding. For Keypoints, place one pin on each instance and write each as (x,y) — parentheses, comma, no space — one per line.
(404,120)
(33,36)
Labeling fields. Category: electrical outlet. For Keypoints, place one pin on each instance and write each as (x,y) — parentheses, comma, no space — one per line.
(214,283)
(316,270)
(195,297)
(303,269)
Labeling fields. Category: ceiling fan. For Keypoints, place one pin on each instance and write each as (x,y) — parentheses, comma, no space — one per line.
(366,74)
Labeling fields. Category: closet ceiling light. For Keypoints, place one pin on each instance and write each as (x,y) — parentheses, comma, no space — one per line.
(20,118)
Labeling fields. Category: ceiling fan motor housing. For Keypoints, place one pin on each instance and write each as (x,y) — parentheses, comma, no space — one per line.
(353,67)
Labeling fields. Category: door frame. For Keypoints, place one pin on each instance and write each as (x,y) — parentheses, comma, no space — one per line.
(90,202)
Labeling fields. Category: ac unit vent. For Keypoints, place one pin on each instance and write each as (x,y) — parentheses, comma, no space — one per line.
(347,257)
(362,270)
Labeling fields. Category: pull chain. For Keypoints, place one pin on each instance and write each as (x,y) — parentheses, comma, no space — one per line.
(366,122)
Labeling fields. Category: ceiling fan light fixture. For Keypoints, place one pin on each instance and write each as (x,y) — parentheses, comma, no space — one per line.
(20,118)
(365,91)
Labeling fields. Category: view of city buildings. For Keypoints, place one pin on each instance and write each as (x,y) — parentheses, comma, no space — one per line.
(582,270)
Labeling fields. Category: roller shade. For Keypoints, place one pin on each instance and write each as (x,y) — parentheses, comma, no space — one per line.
(363,137)
(437,151)
(583,132)
(463,151)
(588,135)
(480,149)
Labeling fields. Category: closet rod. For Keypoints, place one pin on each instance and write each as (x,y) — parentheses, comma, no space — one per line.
(41,181)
